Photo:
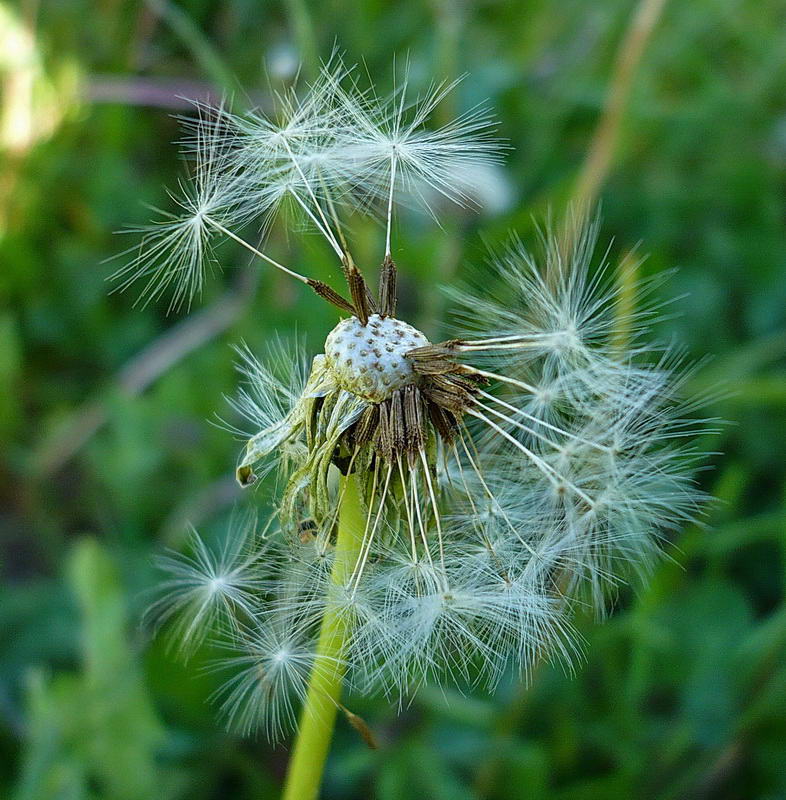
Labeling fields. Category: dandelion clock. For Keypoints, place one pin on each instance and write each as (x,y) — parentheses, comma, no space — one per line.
(443,505)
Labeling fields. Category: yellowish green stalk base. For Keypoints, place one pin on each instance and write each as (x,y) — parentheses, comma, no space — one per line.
(318,716)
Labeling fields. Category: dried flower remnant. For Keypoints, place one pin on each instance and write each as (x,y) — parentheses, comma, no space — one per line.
(522,463)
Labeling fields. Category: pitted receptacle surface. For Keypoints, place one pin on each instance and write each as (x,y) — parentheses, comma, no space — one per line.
(368,360)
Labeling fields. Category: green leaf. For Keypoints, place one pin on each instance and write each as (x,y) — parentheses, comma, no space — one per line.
(96,727)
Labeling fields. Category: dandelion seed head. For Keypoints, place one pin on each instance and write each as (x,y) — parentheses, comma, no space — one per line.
(537,458)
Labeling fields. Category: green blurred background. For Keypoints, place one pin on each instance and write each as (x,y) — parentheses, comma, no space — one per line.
(673,115)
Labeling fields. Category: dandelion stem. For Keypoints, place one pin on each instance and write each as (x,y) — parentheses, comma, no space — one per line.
(318,716)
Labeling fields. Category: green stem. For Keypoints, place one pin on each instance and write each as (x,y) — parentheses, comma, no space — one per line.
(625,307)
(318,716)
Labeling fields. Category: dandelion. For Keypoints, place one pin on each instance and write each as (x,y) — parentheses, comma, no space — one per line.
(442,506)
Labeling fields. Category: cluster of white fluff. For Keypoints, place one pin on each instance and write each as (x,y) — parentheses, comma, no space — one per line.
(571,458)
(333,148)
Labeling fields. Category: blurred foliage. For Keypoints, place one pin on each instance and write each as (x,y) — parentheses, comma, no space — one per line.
(103,456)
(98,727)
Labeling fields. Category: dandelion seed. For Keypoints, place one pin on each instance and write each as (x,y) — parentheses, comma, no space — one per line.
(270,669)
(207,589)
